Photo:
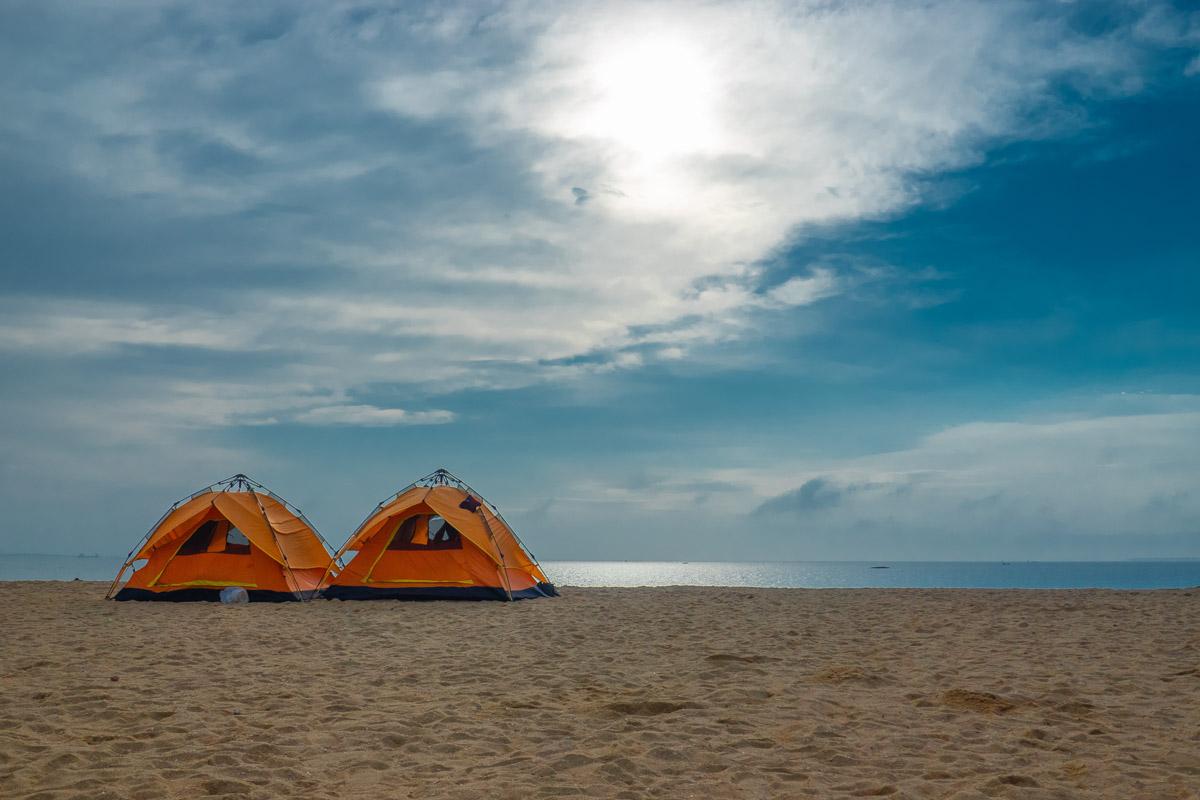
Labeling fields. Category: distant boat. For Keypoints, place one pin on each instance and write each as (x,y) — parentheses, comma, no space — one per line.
(882,567)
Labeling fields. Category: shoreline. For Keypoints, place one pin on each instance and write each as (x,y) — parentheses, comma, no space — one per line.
(102,586)
(1140,574)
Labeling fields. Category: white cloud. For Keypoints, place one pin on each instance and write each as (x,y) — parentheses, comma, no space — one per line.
(371,416)
(72,327)
(802,291)
(720,131)
(706,135)
(1081,486)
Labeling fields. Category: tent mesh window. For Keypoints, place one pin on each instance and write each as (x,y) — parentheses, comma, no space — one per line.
(236,542)
(199,541)
(426,533)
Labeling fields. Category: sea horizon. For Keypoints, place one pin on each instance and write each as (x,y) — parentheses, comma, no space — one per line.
(1140,573)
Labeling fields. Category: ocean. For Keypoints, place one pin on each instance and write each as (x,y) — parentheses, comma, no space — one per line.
(1165,574)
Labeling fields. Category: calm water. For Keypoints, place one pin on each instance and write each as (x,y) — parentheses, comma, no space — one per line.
(777,574)
(896,574)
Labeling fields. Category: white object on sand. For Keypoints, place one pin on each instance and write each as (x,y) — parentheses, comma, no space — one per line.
(234,595)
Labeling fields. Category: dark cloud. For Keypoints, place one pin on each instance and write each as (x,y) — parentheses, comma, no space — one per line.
(815,494)
(196,154)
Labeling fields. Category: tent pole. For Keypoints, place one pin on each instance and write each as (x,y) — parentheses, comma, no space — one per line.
(499,552)
(175,552)
(129,559)
(341,551)
(329,569)
(471,491)
(391,538)
(444,477)
(295,583)
(313,528)
(517,536)
(226,484)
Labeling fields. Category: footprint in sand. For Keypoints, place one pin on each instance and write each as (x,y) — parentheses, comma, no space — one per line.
(839,675)
(731,658)
(982,702)
(647,708)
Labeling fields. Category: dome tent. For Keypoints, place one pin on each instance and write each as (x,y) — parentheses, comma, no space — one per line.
(232,533)
(437,539)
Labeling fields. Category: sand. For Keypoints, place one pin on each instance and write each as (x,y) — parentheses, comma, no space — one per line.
(624,693)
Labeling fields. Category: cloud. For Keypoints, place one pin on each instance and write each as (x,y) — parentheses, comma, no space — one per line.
(1111,460)
(222,217)
(1086,484)
(431,163)
(804,290)
(813,495)
(85,327)
(371,416)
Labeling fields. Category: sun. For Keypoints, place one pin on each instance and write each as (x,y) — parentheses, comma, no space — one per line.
(655,96)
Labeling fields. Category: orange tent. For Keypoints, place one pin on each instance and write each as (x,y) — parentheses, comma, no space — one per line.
(232,533)
(437,539)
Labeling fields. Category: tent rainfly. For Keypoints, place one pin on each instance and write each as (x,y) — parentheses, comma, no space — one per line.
(437,539)
(232,533)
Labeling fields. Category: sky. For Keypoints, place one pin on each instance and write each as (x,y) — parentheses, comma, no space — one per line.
(694,281)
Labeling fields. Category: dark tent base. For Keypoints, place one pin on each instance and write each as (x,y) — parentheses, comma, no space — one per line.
(202,595)
(437,593)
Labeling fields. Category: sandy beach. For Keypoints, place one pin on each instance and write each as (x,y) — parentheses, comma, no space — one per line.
(623,693)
